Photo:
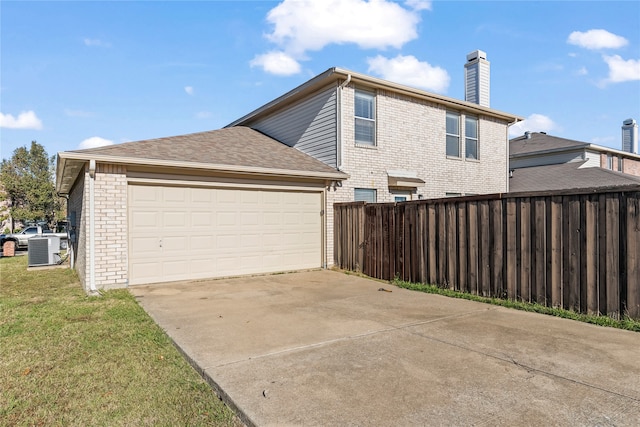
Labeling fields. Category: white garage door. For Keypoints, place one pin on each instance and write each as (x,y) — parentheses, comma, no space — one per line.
(178,233)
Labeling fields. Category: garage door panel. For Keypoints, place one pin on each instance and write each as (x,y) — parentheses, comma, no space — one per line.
(214,232)
(202,219)
(202,243)
(175,195)
(145,245)
(201,196)
(145,219)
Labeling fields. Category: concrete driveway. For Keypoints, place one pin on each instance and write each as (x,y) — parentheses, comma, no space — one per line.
(326,348)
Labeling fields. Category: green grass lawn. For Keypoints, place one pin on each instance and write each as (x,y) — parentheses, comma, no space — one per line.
(624,323)
(69,359)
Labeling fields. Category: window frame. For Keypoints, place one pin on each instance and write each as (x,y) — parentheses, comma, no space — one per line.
(371,191)
(363,93)
(468,138)
(452,135)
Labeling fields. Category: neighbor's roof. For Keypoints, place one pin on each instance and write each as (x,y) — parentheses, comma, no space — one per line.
(235,150)
(567,176)
(541,143)
(338,75)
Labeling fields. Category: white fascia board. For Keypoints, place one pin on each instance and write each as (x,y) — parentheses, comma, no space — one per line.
(247,170)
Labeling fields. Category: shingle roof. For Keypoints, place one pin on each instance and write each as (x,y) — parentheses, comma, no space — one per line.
(237,146)
(567,176)
(541,142)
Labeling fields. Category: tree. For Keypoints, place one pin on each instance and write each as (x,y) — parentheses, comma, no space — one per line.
(27,180)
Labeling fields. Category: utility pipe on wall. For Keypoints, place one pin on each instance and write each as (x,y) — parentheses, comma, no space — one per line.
(92,227)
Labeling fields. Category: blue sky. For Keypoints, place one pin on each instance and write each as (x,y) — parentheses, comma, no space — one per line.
(83,74)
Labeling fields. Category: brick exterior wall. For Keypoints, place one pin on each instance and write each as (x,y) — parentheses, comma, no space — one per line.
(112,262)
(631,166)
(78,202)
(110,198)
(411,136)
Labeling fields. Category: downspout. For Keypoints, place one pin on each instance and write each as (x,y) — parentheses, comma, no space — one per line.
(92,228)
(508,174)
(340,120)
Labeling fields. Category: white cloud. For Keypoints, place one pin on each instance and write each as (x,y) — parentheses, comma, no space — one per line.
(621,70)
(582,71)
(188,90)
(25,120)
(410,71)
(300,26)
(597,39)
(418,4)
(94,142)
(278,63)
(533,123)
(96,42)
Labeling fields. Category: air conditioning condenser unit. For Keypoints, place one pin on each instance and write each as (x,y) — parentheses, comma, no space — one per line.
(44,250)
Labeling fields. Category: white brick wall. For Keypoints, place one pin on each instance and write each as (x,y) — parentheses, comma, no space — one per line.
(410,135)
(111,230)
(110,197)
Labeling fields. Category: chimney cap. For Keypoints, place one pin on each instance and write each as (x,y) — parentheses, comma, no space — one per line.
(476,54)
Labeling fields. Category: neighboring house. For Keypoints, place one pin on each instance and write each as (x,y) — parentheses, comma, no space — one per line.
(539,149)
(541,162)
(258,195)
(567,176)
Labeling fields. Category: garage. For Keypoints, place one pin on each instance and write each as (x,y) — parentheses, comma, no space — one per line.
(185,233)
(211,204)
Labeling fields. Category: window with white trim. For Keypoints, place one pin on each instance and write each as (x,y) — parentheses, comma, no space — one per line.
(453,134)
(365,195)
(365,113)
(471,137)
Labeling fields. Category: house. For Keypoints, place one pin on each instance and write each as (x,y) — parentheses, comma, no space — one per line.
(395,142)
(540,162)
(257,195)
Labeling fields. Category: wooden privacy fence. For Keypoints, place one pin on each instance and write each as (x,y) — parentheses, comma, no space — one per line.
(579,251)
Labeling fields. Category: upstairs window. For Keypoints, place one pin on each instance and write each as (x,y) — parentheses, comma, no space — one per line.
(365,125)
(471,137)
(453,134)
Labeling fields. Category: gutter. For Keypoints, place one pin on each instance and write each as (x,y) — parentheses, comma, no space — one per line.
(68,156)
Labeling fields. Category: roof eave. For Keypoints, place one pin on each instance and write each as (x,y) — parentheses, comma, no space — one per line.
(66,157)
(338,73)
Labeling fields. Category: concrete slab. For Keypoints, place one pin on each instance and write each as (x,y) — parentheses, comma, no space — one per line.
(327,348)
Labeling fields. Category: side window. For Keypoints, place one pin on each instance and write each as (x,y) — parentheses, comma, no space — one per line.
(471,137)
(365,195)
(365,122)
(453,134)
(31,230)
